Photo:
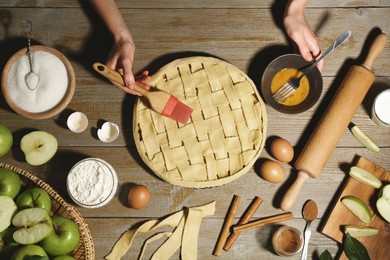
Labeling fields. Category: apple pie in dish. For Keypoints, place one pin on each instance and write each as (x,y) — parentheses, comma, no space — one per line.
(224,136)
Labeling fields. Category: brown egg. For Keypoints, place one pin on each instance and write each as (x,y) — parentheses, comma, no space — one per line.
(272,171)
(138,197)
(282,150)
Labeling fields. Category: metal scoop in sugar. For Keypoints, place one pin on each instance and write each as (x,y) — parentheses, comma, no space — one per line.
(31,78)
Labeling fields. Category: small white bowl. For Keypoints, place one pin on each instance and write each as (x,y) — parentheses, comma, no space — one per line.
(92,183)
(108,133)
(77,122)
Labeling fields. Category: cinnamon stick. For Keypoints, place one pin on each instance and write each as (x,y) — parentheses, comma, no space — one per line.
(256,202)
(263,221)
(226,225)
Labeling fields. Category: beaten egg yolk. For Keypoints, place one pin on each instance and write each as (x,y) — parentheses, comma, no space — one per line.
(284,76)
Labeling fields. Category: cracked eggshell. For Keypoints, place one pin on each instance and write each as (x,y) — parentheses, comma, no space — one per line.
(77,122)
(108,133)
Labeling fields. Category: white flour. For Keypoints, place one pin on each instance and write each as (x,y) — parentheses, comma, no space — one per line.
(91,182)
(52,84)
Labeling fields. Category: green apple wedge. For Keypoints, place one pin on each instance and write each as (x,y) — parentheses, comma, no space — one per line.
(63,239)
(360,231)
(34,198)
(10,183)
(30,252)
(365,177)
(38,147)
(6,140)
(7,211)
(32,225)
(363,138)
(358,208)
(383,202)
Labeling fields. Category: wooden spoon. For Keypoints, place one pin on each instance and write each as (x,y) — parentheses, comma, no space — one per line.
(309,212)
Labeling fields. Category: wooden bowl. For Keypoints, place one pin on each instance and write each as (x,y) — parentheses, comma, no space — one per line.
(57,108)
(85,249)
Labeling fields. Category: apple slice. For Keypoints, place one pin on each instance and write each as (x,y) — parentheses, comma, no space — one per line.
(32,225)
(7,210)
(358,208)
(383,202)
(364,139)
(360,231)
(365,177)
(38,147)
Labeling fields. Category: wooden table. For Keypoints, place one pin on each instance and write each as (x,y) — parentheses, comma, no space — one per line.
(248,34)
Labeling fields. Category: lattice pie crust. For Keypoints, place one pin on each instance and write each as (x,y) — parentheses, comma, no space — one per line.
(226,131)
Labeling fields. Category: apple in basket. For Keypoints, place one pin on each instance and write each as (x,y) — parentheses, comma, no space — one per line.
(63,239)
(6,140)
(7,244)
(30,252)
(38,147)
(9,183)
(32,225)
(34,198)
(7,211)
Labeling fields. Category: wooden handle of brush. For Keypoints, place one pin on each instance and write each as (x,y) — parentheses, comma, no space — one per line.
(334,122)
(116,77)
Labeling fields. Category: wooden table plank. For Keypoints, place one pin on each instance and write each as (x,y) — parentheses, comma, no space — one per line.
(250,39)
(181,32)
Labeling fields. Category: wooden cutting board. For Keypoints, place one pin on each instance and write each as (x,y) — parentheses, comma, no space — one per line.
(378,245)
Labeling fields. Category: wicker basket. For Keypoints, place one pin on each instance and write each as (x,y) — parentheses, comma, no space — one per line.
(85,249)
(226,132)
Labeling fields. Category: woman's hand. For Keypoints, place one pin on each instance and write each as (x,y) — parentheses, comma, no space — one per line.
(300,32)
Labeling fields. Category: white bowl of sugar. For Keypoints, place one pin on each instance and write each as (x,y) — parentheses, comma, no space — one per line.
(54,89)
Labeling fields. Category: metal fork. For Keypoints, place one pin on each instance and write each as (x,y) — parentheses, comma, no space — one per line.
(291,86)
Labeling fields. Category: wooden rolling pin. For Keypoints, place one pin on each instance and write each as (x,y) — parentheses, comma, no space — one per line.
(334,122)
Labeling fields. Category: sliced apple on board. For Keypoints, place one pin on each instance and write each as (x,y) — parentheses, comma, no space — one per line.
(365,177)
(358,208)
(32,225)
(38,147)
(363,138)
(360,231)
(383,202)
(7,210)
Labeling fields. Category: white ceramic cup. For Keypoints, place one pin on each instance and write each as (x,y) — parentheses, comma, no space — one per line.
(380,113)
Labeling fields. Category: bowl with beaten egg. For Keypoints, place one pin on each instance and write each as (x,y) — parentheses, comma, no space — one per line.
(280,71)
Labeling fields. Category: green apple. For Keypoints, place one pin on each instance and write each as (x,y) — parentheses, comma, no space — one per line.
(63,239)
(32,225)
(358,208)
(38,147)
(30,252)
(7,244)
(63,257)
(7,211)
(360,231)
(383,202)
(365,177)
(10,183)
(32,198)
(6,140)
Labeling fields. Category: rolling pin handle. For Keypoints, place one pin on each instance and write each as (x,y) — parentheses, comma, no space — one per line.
(376,48)
(292,193)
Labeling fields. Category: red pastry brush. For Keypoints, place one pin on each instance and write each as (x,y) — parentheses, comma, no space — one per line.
(159,101)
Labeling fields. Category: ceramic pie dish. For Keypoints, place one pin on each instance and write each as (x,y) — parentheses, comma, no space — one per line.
(54,90)
(224,136)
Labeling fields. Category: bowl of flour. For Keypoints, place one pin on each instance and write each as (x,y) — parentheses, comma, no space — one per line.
(92,183)
(55,87)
